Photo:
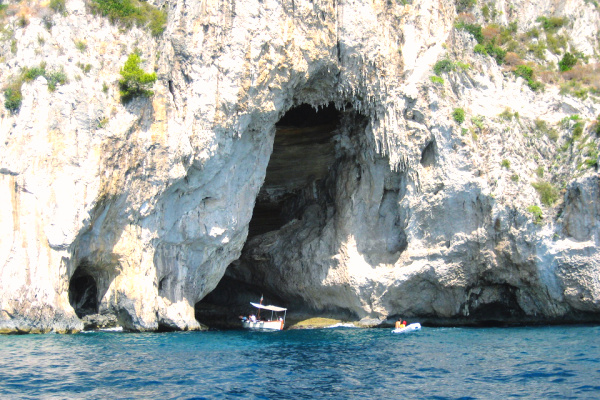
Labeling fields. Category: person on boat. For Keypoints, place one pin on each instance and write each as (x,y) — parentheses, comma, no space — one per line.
(252,318)
(404,324)
(400,324)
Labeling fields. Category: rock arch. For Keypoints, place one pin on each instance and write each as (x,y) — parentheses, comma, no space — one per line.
(303,216)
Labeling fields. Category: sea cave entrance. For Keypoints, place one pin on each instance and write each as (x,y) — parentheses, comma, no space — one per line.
(83,293)
(300,175)
(303,153)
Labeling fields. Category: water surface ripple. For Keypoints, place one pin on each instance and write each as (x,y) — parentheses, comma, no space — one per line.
(435,363)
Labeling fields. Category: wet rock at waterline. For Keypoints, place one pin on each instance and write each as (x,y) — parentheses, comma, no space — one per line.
(298,150)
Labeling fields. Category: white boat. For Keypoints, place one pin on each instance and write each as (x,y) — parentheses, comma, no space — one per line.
(275,323)
(410,328)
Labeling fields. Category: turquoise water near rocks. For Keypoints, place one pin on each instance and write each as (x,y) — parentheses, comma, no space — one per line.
(434,363)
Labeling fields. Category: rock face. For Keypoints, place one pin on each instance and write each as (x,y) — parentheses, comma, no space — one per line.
(294,148)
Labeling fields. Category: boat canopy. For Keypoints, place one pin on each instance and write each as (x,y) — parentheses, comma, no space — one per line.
(270,308)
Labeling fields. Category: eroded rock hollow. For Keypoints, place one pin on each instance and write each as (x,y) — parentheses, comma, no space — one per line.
(305,181)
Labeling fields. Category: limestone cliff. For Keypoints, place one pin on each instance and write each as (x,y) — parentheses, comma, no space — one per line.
(311,150)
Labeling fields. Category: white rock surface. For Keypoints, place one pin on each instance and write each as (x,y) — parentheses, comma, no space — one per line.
(153,199)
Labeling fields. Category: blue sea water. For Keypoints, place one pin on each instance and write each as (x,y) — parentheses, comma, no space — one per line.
(434,363)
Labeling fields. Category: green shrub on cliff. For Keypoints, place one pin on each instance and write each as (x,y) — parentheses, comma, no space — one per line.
(536,211)
(13,98)
(135,82)
(498,53)
(473,29)
(526,73)
(459,115)
(567,62)
(81,45)
(443,66)
(541,126)
(548,193)
(478,121)
(577,130)
(592,159)
(480,49)
(508,115)
(536,86)
(31,74)
(53,78)
(130,12)
(58,6)
(436,79)
(489,39)
(552,24)
(539,171)
(464,5)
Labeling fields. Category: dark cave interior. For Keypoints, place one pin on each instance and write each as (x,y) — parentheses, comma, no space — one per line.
(83,293)
(303,153)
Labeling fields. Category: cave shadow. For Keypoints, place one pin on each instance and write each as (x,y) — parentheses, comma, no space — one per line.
(313,149)
(89,268)
(94,271)
(83,293)
(223,307)
(87,287)
(316,155)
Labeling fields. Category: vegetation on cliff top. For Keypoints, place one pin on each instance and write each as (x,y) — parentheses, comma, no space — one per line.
(13,98)
(125,13)
(542,55)
(549,36)
(131,12)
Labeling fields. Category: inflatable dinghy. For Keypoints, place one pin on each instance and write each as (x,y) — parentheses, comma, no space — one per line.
(410,328)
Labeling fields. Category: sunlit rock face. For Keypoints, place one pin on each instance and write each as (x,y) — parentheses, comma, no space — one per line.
(296,149)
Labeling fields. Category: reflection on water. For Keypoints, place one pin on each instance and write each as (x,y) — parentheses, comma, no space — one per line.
(440,363)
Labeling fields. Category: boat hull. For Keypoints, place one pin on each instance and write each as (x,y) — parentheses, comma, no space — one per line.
(263,325)
(410,328)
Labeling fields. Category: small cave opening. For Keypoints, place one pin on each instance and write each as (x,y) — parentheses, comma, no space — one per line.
(162,285)
(83,293)
(428,155)
(494,305)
